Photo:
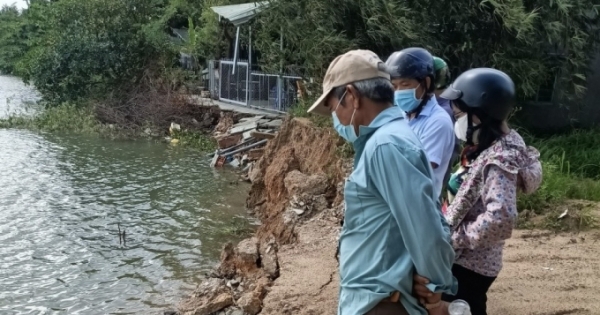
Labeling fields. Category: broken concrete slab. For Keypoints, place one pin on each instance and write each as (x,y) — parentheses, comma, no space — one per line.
(255,154)
(213,162)
(251,119)
(239,128)
(263,121)
(248,134)
(235,163)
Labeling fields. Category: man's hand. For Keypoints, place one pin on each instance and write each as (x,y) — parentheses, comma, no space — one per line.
(427,297)
(422,292)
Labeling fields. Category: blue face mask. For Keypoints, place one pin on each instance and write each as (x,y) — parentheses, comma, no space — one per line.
(346,132)
(407,99)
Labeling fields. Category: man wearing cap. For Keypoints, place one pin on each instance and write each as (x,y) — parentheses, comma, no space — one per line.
(392,224)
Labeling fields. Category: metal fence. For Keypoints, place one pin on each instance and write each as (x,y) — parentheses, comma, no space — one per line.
(232,87)
(211,79)
(268,91)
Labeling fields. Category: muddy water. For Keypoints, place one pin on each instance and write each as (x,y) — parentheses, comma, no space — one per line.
(63,199)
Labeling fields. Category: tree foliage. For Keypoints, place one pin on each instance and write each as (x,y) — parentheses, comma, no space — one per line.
(85,48)
(71,49)
(12,39)
(529,39)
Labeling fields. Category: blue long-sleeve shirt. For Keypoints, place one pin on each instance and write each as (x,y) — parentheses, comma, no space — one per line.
(392,226)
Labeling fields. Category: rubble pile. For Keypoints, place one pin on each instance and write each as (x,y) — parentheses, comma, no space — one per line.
(238,284)
(241,144)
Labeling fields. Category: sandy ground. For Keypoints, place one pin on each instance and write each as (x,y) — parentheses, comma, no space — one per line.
(544,274)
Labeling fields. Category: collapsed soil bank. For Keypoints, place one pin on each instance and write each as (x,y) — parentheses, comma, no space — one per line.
(298,178)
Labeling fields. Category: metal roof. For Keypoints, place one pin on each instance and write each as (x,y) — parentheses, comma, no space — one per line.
(239,14)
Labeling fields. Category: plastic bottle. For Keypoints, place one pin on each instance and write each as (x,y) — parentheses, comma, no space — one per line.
(459,307)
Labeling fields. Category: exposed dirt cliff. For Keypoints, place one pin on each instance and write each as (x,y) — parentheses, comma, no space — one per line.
(297,179)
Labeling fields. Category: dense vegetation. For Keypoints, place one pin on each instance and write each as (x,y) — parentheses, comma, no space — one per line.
(79,49)
(530,39)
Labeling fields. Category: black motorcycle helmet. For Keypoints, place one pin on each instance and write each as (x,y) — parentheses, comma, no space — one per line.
(487,93)
(412,63)
(483,91)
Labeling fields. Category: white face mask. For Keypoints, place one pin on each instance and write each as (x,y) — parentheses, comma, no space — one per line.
(461,126)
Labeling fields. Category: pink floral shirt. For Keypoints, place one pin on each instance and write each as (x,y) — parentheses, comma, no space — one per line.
(483,213)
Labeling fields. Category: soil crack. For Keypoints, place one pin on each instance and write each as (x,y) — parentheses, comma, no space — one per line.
(326,283)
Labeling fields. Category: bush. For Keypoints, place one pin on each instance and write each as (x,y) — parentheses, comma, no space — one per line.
(577,149)
(557,187)
(569,171)
(83,49)
(66,117)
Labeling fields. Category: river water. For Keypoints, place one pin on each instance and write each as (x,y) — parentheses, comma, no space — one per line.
(63,199)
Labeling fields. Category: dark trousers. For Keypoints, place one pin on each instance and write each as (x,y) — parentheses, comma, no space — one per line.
(388,308)
(472,287)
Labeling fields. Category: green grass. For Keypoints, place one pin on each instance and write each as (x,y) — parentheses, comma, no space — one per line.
(195,139)
(64,118)
(70,118)
(557,187)
(578,148)
(571,171)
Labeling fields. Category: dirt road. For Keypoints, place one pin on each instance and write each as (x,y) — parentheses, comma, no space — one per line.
(544,274)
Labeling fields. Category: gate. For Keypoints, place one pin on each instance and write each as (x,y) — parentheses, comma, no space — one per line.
(233,87)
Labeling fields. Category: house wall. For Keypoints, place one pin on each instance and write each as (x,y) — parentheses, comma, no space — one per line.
(551,117)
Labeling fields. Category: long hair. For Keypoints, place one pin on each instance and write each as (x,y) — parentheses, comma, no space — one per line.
(488,131)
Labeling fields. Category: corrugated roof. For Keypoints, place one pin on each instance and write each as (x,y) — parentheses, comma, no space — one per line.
(239,14)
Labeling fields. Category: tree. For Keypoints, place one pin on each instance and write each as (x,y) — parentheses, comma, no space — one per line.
(12,38)
(88,48)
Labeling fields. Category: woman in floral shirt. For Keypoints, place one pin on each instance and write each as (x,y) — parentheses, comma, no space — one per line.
(483,192)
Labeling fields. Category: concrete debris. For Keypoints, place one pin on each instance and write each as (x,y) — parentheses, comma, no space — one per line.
(298,211)
(210,297)
(241,144)
(241,127)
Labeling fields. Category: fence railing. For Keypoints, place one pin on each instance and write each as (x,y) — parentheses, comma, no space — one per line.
(258,89)
(232,86)
(271,91)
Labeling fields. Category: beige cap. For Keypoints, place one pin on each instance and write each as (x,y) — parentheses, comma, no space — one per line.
(355,65)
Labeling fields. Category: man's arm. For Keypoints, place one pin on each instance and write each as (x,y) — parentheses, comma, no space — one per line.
(402,178)
(438,140)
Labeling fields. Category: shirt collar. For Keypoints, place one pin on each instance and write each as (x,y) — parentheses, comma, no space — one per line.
(387,115)
(365,132)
